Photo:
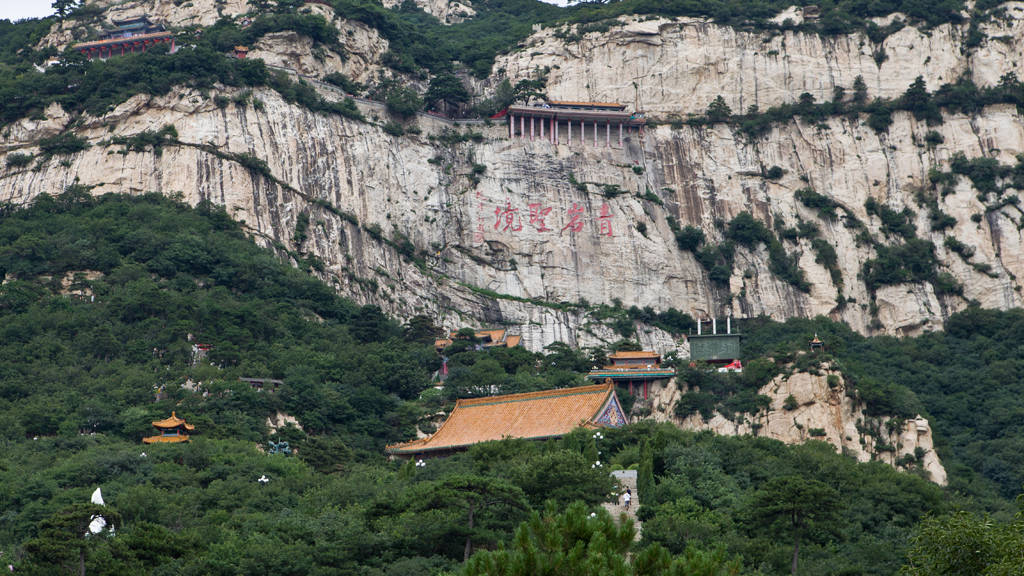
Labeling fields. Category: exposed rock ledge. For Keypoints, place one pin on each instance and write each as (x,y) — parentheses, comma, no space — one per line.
(828,411)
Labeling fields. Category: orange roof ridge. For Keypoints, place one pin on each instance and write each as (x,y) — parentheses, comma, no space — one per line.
(172,422)
(535,395)
(634,354)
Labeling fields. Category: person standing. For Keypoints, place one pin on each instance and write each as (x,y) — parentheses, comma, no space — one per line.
(626,498)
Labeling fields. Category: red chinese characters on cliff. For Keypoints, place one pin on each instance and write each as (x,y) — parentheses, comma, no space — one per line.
(537,216)
(574,216)
(606,220)
(508,216)
(540,218)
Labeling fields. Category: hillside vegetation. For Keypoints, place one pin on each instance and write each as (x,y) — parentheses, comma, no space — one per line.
(968,379)
(99,298)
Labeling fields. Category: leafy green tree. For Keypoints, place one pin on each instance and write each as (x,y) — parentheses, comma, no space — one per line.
(446,89)
(483,377)
(64,538)
(370,324)
(801,506)
(965,544)
(645,471)
(64,7)
(403,101)
(504,95)
(421,329)
(530,88)
(574,543)
(568,544)
(463,505)
(562,475)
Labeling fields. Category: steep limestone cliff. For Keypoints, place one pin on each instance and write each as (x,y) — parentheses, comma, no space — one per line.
(474,228)
(360,60)
(820,407)
(679,66)
(482,258)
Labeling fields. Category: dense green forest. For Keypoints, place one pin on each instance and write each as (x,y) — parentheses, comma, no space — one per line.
(99,298)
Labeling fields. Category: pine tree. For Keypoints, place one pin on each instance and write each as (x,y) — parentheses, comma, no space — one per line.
(718,110)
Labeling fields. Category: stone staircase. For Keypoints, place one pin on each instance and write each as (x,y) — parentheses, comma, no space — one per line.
(627,479)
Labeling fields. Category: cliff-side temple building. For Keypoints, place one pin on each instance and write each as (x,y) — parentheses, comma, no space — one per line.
(485,338)
(633,369)
(127,37)
(531,415)
(171,429)
(560,122)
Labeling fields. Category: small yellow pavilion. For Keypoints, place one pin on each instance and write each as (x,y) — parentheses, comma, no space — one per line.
(172,429)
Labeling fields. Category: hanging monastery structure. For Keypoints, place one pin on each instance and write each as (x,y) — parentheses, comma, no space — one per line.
(556,121)
(127,37)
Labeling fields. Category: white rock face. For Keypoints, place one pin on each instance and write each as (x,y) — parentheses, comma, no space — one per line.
(447,11)
(677,67)
(822,412)
(363,47)
(479,240)
(521,232)
(281,420)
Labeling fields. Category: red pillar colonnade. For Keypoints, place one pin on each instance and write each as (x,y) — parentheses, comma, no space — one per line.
(552,132)
(126,46)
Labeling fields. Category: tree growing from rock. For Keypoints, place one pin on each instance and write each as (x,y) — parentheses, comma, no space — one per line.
(718,110)
(447,90)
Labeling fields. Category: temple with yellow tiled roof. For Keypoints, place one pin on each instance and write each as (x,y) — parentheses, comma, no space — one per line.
(488,339)
(530,415)
(171,429)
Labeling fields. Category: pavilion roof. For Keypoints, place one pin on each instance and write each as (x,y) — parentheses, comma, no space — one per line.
(544,414)
(173,422)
